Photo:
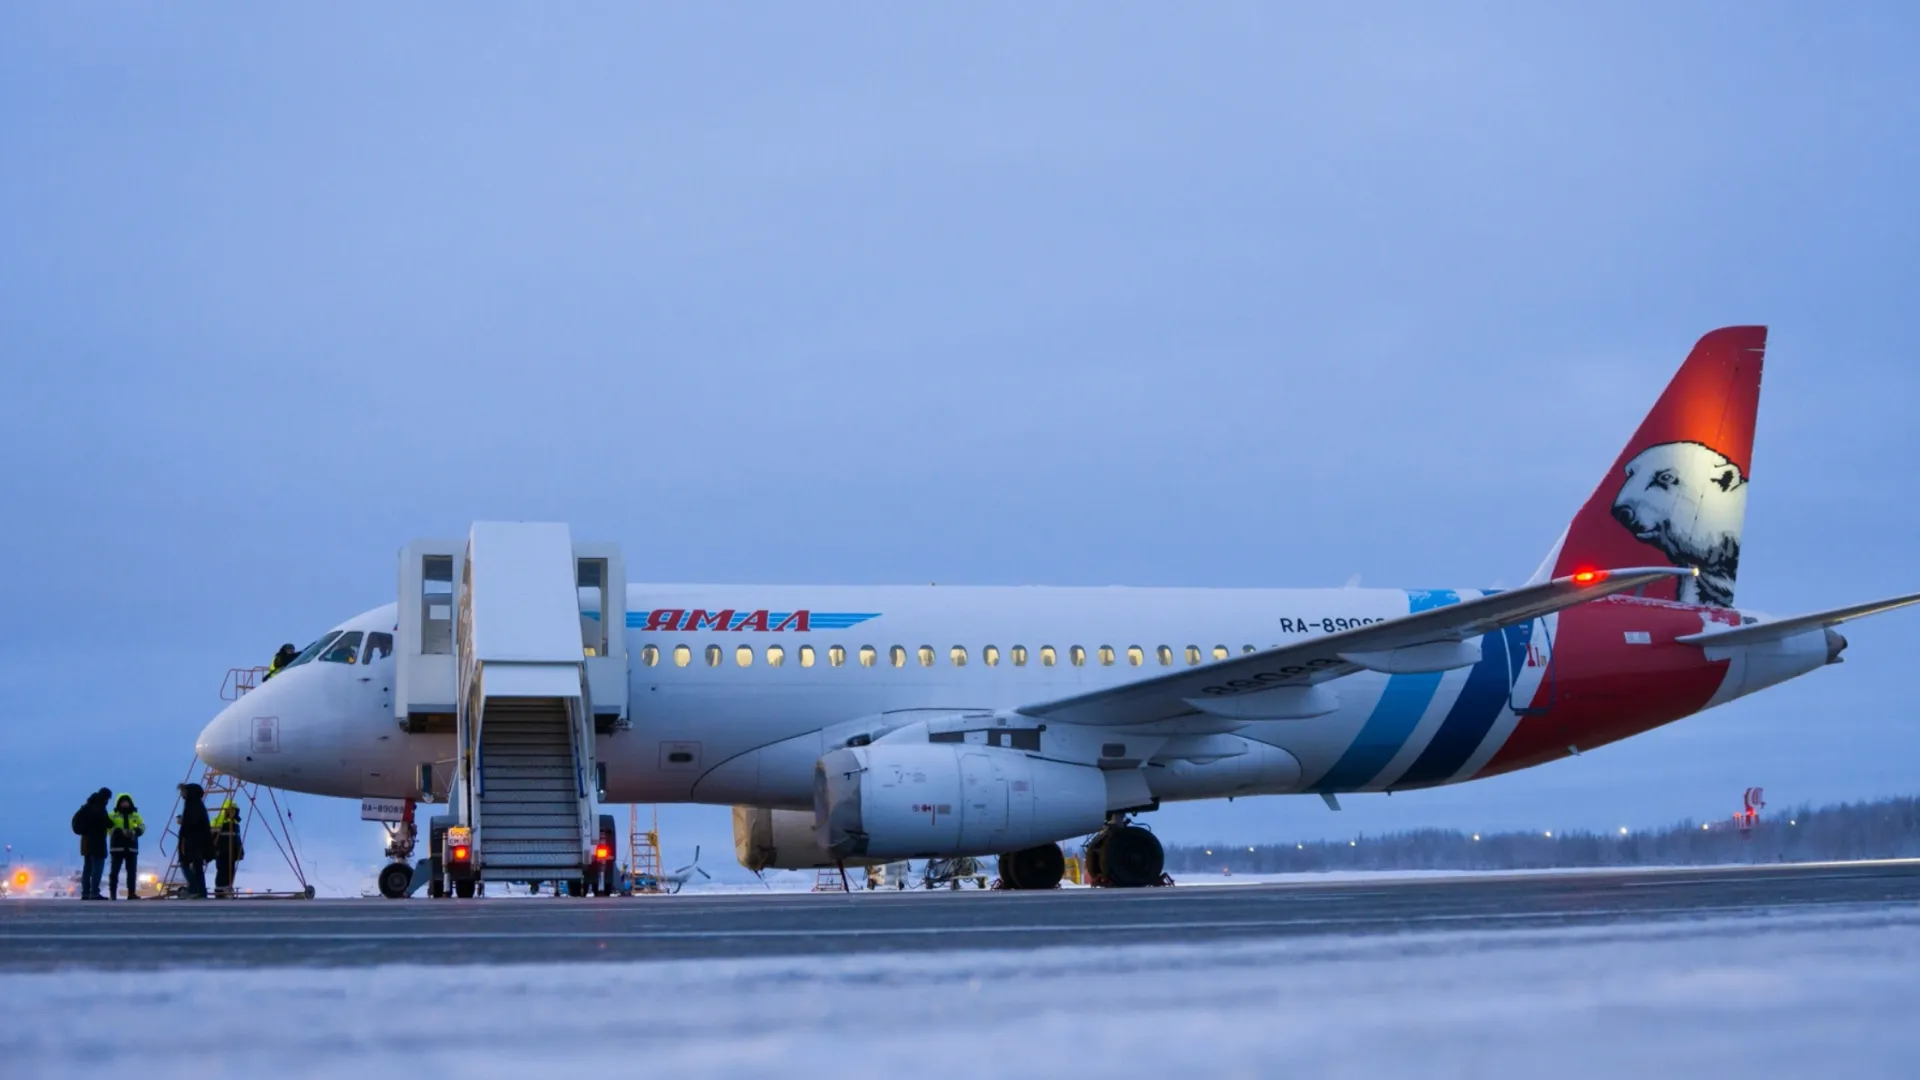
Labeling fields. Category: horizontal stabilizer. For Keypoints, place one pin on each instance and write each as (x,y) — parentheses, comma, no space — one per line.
(1774,630)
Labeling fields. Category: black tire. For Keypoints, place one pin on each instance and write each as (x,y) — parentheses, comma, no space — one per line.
(1009,866)
(464,889)
(577,887)
(396,881)
(1133,858)
(1040,867)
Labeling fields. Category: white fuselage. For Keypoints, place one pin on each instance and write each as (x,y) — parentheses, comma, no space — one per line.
(740,716)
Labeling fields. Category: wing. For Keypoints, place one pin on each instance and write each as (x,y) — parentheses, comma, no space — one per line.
(1283,682)
(1774,630)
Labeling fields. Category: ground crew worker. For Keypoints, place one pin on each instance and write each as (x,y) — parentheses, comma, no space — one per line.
(124,829)
(195,845)
(281,659)
(227,847)
(90,824)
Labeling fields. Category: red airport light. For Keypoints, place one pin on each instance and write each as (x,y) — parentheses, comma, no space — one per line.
(21,879)
(602,852)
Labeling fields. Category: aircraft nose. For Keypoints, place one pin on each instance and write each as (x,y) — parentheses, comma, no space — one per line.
(222,743)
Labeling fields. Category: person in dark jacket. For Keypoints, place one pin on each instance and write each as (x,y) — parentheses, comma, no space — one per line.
(282,660)
(228,847)
(124,830)
(196,841)
(90,824)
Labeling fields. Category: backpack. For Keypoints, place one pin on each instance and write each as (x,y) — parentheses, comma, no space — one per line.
(78,828)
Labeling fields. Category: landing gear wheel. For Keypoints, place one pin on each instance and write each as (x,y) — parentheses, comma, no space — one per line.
(1132,858)
(396,880)
(1009,871)
(1039,867)
(464,889)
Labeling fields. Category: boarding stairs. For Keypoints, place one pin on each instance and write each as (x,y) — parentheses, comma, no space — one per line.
(530,796)
(517,638)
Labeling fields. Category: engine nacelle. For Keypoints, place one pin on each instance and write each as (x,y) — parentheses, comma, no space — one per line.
(776,840)
(909,800)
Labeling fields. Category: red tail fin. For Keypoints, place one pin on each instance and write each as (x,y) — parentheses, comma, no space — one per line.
(1678,492)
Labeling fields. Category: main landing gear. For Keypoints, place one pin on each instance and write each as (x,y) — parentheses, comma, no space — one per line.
(1033,868)
(1125,856)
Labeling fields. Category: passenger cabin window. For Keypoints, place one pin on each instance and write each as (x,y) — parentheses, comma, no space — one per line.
(713,656)
(868,657)
(1249,650)
(897,656)
(1019,654)
(649,655)
(957,654)
(776,655)
(1136,656)
(743,656)
(1078,655)
(806,656)
(1165,656)
(1106,656)
(990,656)
(343,650)
(1047,656)
(1193,655)
(926,656)
(1220,652)
(837,656)
(682,656)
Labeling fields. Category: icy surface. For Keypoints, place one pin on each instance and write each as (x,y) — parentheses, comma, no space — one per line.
(1783,996)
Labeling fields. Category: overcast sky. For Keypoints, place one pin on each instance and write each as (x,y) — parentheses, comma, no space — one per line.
(1247,295)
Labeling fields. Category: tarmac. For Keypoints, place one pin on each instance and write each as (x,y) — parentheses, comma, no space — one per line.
(59,935)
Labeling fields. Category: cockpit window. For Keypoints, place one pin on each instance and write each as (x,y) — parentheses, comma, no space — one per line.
(343,650)
(379,647)
(313,651)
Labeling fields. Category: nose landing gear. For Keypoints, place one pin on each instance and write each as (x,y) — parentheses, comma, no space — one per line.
(399,878)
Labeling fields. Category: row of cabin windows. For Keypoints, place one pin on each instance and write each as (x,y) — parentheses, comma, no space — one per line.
(869,656)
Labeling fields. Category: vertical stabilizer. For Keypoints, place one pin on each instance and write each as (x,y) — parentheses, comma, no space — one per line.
(1678,491)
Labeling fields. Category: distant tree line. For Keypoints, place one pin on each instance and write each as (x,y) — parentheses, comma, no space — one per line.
(1884,829)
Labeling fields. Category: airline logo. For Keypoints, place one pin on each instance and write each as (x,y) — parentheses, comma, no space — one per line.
(741,620)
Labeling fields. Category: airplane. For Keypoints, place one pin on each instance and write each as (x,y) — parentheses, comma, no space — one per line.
(855,724)
(675,880)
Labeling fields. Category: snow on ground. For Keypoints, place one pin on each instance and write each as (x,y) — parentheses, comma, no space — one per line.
(1780,996)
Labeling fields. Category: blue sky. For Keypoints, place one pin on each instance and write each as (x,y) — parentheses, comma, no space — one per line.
(1085,295)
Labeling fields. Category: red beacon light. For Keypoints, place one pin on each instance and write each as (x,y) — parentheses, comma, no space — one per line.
(1589,577)
(602,852)
(462,853)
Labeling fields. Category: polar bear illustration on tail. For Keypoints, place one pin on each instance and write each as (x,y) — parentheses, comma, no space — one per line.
(1689,500)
